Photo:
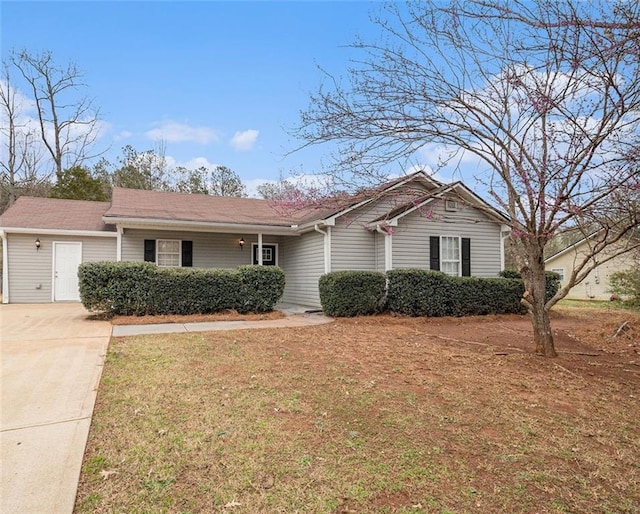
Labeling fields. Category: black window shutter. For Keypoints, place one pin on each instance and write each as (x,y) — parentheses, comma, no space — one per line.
(466,257)
(149,250)
(434,245)
(187,253)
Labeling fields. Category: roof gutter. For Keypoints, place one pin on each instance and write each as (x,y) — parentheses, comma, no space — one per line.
(59,232)
(200,226)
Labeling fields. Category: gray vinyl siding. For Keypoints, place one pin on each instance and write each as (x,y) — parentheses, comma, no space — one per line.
(353,247)
(303,267)
(411,238)
(209,250)
(31,271)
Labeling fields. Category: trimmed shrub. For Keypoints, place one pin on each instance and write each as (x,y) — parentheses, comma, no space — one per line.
(193,291)
(260,288)
(116,287)
(552,281)
(417,292)
(137,288)
(352,293)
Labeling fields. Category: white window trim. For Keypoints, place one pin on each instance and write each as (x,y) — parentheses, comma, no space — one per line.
(179,252)
(459,261)
(559,271)
(253,245)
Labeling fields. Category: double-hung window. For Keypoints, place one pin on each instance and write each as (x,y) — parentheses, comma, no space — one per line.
(168,253)
(559,271)
(450,255)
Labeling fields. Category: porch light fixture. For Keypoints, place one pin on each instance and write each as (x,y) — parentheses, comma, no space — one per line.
(38,244)
(241,243)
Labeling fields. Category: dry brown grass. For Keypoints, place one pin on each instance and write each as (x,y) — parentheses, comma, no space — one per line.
(374,414)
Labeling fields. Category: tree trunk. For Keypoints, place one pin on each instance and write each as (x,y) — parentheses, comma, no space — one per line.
(542,335)
(534,298)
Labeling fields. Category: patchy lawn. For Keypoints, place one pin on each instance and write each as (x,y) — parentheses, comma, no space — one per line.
(376,414)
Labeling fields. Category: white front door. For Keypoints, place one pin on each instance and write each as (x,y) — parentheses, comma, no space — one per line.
(66,259)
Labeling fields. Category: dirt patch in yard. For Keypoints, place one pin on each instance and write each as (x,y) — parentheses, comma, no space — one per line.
(371,415)
(585,339)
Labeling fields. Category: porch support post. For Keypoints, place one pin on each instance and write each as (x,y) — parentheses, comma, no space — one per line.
(120,231)
(5,266)
(388,247)
(260,249)
(327,251)
(388,252)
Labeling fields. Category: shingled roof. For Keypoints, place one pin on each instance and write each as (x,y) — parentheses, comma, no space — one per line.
(56,214)
(155,207)
(159,205)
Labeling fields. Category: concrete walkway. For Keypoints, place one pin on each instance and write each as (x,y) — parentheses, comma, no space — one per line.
(292,320)
(52,359)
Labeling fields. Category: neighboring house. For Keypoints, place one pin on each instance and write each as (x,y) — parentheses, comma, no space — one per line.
(596,285)
(411,222)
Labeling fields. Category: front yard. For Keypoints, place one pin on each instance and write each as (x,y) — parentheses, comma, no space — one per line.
(376,414)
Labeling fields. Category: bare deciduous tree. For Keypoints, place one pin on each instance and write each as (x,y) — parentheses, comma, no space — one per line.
(544,95)
(19,155)
(68,124)
(142,170)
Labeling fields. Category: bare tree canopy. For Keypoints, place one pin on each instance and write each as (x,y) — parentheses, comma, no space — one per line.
(220,181)
(544,95)
(68,121)
(19,156)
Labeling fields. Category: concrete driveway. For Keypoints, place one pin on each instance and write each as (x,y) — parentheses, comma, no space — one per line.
(52,359)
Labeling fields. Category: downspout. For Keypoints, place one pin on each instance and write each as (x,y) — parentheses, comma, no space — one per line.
(388,248)
(505,232)
(120,231)
(327,247)
(5,266)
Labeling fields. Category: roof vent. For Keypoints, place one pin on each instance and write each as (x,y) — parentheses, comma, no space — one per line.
(450,205)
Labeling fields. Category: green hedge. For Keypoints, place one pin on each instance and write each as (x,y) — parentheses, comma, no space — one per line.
(552,281)
(116,287)
(135,288)
(260,288)
(416,292)
(352,293)
(193,291)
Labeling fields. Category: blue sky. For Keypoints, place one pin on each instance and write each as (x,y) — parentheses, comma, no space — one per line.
(219,82)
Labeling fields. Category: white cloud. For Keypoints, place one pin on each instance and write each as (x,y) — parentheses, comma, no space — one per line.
(199,162)
(173,132)
(243,141)
(122,135)
(252,186)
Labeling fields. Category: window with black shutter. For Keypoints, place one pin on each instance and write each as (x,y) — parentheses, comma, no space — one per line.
(466,257)
(451,255)
(187,254)
(434,245)
(149,250)
(168,251)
